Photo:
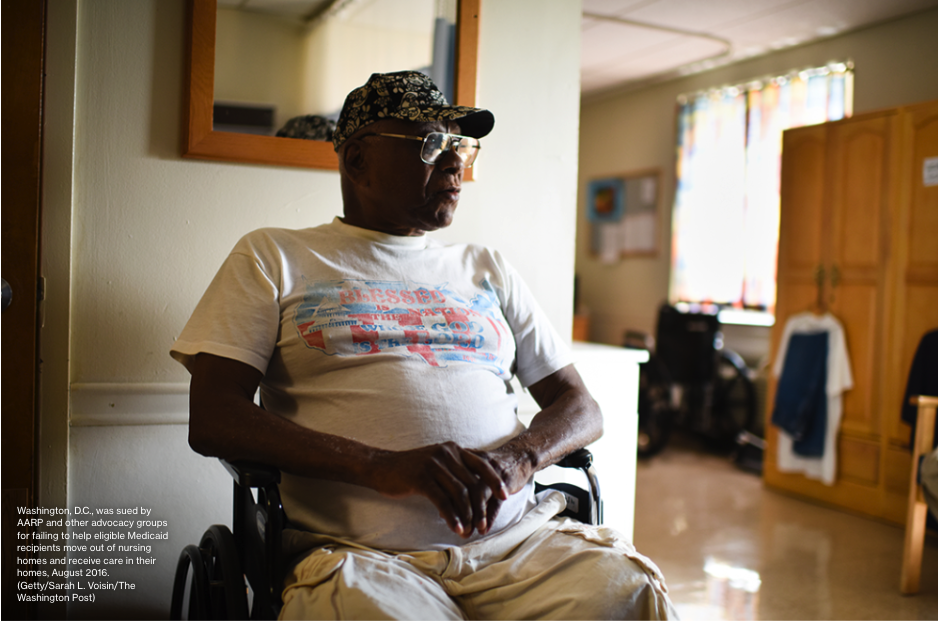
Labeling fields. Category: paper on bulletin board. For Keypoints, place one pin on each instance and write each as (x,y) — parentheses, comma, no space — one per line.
(624,215)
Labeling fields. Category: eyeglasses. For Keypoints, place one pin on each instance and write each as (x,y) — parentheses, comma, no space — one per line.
(436,144)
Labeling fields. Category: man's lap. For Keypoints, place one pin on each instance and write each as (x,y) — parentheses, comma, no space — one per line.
(547,568)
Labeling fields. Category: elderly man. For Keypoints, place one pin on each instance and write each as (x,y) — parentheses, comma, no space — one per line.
(383,359)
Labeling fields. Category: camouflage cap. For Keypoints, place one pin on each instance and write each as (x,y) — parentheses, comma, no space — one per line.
(408,96)
(308,127)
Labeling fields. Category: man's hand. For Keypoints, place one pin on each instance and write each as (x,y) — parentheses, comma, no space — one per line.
(463,485)
(468,487)
(512,468)
(569,419)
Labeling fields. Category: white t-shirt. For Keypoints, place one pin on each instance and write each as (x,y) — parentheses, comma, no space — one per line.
(839,379)
(397,342)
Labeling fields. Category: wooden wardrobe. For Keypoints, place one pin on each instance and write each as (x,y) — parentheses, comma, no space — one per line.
(859,237)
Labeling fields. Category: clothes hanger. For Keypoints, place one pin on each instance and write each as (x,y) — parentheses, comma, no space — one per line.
(820,303)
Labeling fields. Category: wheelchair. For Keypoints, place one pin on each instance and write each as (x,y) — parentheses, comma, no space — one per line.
(238,573)
(692,381)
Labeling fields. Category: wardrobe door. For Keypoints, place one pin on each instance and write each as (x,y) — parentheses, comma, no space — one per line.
(916,253)
(861,193)
(801,248)
(802,220)
(915,291)
(859,199)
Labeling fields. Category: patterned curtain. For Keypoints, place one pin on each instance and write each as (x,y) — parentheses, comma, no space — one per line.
(724,229)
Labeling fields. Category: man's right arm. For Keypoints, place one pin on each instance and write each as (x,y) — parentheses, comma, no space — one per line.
(225,422)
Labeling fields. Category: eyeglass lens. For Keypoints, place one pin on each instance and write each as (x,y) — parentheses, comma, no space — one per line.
(437,143)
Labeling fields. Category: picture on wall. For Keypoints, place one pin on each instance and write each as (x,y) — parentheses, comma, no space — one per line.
(623,213)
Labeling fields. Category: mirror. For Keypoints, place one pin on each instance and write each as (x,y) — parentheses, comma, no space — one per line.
(204,140)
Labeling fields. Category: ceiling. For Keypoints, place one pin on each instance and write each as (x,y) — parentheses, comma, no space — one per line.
(680,37)
(630,43)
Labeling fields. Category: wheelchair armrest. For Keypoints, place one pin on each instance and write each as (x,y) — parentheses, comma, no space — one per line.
(257,526)
(584,505)
(580,458)
(251,474)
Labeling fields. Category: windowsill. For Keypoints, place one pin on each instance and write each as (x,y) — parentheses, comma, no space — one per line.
(738,317)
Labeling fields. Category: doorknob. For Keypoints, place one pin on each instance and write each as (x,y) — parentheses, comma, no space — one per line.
(7,294)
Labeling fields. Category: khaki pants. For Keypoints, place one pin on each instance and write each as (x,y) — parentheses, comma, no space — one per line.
(542,568)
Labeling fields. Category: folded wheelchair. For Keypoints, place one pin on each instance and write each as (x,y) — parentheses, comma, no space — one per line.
(238,573)
(692,381)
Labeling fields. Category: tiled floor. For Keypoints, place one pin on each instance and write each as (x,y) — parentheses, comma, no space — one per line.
(731,549)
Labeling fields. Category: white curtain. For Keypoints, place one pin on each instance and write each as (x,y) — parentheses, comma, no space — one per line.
(724,230)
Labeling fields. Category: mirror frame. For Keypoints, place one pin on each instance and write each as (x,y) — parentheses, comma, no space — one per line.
(202,142)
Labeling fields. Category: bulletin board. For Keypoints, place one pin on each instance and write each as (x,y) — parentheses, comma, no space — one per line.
(623,215)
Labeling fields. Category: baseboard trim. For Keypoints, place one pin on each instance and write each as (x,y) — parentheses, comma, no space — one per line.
(101,404)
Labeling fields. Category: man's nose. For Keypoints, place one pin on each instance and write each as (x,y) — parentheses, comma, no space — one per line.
(451,161)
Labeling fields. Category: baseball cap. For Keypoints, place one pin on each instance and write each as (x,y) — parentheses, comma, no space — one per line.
(408,96)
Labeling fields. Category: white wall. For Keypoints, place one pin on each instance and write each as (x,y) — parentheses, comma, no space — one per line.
(896,63)
(135,233)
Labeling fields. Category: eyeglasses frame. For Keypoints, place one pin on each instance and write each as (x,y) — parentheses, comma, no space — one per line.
(423,140)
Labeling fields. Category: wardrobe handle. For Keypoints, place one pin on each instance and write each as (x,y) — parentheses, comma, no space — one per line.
(835,280)
(819,275)
(819,281)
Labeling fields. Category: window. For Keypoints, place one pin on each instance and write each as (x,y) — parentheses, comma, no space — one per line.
(724,230)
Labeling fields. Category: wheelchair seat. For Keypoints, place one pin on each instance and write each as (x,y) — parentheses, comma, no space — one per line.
(238,573)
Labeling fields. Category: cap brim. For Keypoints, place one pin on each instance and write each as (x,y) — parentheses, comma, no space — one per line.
(477,124)
(474,122)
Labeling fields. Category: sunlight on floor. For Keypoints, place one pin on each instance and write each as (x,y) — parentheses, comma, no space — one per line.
(731,549)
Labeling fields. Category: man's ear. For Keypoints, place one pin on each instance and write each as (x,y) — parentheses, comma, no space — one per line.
(354,161)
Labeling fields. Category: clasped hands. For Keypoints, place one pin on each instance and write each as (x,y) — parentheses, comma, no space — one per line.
(467,486)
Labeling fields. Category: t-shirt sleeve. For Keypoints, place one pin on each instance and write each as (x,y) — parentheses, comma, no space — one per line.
(540,349)
(238,317)
(841,378)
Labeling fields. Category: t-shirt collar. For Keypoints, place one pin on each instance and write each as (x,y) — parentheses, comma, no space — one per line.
(402,241)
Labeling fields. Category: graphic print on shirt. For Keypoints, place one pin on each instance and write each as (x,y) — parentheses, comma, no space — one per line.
(434,323)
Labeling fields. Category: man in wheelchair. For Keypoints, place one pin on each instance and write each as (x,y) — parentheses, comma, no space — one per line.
(383,359)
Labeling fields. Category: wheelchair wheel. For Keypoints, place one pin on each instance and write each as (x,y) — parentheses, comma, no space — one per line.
(217,589)
(655,415)
(228,592)
(197,588)
(734,400)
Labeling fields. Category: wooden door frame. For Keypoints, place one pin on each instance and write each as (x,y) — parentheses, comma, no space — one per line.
(24,35)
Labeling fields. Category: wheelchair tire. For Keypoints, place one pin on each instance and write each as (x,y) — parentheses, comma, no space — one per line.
(227,589)
(734,402)
(199,600)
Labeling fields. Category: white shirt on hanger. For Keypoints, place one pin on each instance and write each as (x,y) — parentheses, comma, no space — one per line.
(839,379)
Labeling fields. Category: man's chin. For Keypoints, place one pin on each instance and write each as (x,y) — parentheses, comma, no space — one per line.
(441,219)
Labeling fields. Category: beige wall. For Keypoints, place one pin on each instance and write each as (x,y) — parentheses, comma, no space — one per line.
(134,233)
(896,63)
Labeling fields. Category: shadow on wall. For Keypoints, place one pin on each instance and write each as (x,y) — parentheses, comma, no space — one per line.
(150,467)
(167,109)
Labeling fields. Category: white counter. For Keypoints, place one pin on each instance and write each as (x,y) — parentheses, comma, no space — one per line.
(611,375)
